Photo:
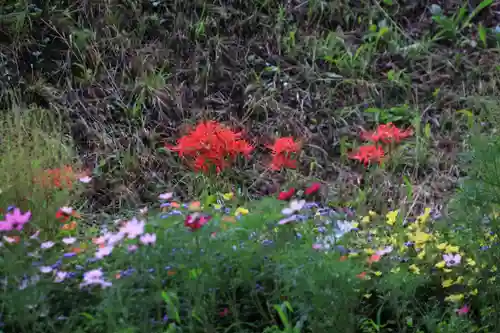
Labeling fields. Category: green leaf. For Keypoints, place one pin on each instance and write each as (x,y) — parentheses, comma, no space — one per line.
(482,34)
(87,315)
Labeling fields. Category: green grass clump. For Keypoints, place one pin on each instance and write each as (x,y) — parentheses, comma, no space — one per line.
(33,142)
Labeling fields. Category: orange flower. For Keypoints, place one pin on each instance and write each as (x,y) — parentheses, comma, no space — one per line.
(60,178)
(284,151)
(368,154)
(69,226)
(374,258)
(77,250)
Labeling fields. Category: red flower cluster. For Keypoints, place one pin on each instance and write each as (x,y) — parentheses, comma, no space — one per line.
(387,133)
(287,195)
(64,217)
(211,144)
(368,154)
(284,151)
(384,134)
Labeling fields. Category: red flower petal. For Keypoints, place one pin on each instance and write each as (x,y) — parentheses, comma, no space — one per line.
(286,195)
(312,189)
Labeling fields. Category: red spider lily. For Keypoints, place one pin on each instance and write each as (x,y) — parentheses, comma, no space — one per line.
(196,220)
(368,154)
(286,195)
(211,144)
(387,133)
(283,151)
(312,189)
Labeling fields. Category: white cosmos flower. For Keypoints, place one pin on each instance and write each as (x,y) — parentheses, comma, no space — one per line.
(295,205)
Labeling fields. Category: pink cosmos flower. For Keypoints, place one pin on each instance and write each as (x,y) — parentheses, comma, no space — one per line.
(85,179)
(463,310)
(15,220)
(104,252)
(114,239)
(133,228)
(94,277)
(147,239)
(68,240)
(317,246)
(47,245)
(132,248)
(166,196)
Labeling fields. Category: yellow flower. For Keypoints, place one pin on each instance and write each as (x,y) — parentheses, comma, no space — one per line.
(447,283)
(369,251)
(391,217)
(377,273)
(395,270)
(440,264)
(393,240)
(372,213)
(353,254)
(425,216)
(455,298)
(442,246)
(228,196)
(451,249)
(471,262)
(355,224)
(421,255)
(414,269)
(241,210)
(365,219)
(420,237)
